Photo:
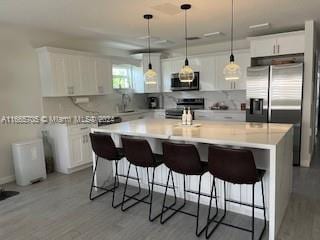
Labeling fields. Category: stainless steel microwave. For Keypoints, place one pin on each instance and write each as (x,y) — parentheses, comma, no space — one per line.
(176,85)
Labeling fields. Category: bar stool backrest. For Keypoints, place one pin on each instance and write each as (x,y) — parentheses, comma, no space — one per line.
(182,158)
(103,146)
(232,165)
(138,152)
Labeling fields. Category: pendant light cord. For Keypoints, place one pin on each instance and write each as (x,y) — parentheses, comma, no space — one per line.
(186,35)
(149,42)
(232,18)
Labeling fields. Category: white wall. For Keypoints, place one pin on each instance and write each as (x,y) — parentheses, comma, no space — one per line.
(309,95)
(20,92)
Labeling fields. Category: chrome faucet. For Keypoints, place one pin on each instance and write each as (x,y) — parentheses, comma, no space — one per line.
(125,101)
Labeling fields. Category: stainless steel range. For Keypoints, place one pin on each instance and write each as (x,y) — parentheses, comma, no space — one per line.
(193,103)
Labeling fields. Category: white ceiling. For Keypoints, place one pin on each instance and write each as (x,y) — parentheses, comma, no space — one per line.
(119,23)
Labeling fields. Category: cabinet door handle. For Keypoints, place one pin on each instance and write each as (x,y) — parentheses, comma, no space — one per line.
(84,128)
(70,90)
(227,117)
(278,49)
(100,89)
(274,49)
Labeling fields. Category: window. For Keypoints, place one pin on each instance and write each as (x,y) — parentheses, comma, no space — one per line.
(122,76)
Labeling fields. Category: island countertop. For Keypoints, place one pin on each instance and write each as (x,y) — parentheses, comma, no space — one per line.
(255,135)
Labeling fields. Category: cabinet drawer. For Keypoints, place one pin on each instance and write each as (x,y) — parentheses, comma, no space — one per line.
(79,129)
(230,117)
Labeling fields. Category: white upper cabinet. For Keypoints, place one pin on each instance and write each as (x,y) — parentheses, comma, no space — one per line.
(103,76)
(206,66)
(70,73)
(166,71)
(168,67)
(210,67)
(208,79)
(291,44)
(277,44)
(87,76)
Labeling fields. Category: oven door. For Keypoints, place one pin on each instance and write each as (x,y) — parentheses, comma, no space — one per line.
(176,85)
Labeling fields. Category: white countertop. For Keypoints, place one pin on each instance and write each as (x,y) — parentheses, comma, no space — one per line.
(255,135)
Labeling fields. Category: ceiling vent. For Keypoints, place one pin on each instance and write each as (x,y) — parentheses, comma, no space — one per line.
(193,38)
(212,34)
(260,26)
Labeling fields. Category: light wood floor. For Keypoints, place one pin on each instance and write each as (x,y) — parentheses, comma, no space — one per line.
(59,208)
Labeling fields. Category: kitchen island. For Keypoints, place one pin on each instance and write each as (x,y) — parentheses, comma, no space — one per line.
(272,146)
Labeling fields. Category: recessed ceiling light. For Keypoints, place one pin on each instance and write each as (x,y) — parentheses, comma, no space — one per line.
(146,37)
(164,41)
(212,34)
(260,26)
(193,38)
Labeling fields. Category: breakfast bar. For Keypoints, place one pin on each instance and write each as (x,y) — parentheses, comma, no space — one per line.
(271,144)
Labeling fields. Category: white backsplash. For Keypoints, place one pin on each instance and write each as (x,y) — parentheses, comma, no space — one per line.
(232,99)
(63,106)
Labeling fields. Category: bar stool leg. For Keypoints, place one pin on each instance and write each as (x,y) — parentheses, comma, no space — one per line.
(116,185)
(105,190)
(92,180)
(252,234)
(218,222)
(133,196)
(166,208)
(151,219)
(264,211)
(209,219)
(198,233)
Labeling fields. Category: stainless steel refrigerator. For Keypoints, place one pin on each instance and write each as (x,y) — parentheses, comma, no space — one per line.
(274,95)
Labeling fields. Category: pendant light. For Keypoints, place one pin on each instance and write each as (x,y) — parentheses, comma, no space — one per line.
(186,74)
(150,76)
(232,71)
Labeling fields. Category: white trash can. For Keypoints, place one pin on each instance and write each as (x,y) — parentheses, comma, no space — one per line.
(29,163)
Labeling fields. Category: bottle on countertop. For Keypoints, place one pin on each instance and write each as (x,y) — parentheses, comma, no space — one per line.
(184,117)
(189,117)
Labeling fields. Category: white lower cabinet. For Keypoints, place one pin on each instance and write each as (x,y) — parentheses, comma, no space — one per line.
(71,147)
(221,116)
(158,114)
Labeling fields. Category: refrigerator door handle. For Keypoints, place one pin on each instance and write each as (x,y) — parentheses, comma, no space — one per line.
(269,96)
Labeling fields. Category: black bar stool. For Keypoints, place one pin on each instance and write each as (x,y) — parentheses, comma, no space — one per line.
(104,148)
(236,166)
(138,152)
(183,159)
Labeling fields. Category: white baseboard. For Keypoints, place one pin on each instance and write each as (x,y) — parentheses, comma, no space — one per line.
(7,179)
